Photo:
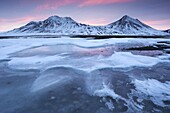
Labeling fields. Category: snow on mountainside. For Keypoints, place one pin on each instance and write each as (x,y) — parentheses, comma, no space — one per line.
(58,25)
(167,31)
(67,26)
(128,25)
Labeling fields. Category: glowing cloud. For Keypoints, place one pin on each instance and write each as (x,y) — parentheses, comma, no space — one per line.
(98,2)
(159,24)
(8,24)
(54,4)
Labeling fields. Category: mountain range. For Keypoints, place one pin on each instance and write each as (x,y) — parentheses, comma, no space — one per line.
(67,26)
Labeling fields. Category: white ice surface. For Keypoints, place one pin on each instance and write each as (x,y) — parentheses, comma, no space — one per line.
(34,62)
(118,59)
(157,90)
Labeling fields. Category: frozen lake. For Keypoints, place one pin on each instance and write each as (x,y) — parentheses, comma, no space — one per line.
(74,75)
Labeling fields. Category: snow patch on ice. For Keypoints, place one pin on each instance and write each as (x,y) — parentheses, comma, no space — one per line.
(106,91)
(127,59)
(157,90)
(110,105)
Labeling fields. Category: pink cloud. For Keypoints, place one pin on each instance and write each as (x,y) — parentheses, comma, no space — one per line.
(156,22)
(99,2)
(54,4)
(159,24)
(19,20)
(8,24)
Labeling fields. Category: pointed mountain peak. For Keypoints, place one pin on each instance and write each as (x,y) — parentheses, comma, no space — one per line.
(58,18)
(53,18)
(69,19)
(127,18)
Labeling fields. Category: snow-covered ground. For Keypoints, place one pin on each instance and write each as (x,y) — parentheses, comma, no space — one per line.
(102,76)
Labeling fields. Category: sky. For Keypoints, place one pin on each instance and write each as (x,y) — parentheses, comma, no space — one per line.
(16,13)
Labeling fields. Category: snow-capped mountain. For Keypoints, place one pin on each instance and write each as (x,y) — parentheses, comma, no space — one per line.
(67,26)
(128,25)
(57,25)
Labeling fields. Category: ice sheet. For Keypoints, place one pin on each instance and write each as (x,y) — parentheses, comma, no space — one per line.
(157,90)
(116,60)
(99,57)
